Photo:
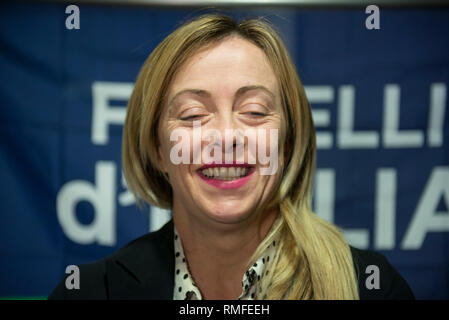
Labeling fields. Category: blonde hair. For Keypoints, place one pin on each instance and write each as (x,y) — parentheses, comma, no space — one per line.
(313,260)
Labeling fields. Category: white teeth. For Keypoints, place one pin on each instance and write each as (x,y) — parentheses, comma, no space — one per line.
(225,173)
(238,171)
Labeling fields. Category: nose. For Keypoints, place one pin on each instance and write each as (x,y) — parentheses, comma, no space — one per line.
(232,141)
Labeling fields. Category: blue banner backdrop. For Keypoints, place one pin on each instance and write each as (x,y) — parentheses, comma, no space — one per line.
(379,99)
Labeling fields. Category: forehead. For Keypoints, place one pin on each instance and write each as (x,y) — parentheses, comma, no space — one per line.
(225,66)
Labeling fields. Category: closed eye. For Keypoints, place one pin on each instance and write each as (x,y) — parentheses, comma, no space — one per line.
(195,116)
(260,114)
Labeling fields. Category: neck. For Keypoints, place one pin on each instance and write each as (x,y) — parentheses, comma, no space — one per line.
(218,254)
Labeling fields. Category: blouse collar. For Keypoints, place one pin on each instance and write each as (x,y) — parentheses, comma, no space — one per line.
(186,289)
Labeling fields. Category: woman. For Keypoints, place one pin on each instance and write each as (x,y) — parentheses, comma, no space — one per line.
(237,232)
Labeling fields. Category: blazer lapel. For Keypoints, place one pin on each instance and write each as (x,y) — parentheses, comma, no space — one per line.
(144,269)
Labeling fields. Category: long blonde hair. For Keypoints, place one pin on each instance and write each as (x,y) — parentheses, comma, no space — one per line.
(313,260)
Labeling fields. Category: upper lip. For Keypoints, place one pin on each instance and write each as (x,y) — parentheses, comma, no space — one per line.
(226,165)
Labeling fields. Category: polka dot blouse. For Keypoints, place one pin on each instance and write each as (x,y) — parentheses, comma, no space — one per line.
(186,289)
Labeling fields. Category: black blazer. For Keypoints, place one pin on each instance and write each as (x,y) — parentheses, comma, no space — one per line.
(144,269)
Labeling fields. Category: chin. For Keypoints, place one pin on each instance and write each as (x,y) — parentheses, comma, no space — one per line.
(229,213)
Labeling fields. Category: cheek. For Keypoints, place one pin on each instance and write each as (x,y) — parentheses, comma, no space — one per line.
(269,149)
(181,147)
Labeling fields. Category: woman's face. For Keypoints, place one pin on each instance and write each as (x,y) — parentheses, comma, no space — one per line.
(225,87)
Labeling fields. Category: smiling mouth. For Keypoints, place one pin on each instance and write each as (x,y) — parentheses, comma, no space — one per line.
(226,172)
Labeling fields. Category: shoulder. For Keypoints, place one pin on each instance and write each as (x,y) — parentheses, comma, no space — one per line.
(95,277)
(377,278)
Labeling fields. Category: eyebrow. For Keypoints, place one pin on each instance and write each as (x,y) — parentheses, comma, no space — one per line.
(198,92)
(241,91)
(245,89)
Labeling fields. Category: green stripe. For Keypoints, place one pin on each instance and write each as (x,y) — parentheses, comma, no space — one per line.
(24,298)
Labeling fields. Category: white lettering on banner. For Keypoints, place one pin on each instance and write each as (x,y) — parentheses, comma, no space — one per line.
(101,196)
(103,114)
(385,209)
(321,117)
(126,198)
(325,193)
(158,217)
(346,136)
(426,217)
(436,116)
(392,137)
(324,205)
